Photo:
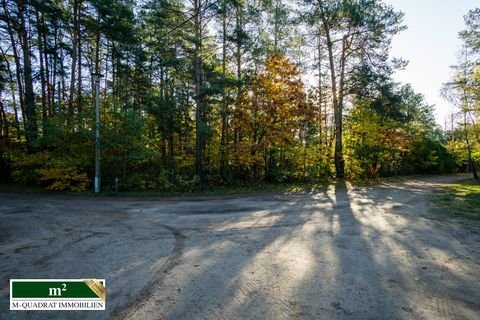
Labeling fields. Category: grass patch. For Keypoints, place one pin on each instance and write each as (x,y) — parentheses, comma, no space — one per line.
(182,191)
(461,199)
(224,190)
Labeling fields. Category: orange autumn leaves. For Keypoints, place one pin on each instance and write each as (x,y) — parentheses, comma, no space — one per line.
(268,112)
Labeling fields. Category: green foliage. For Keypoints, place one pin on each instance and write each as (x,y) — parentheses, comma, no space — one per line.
(25,167)
(44,168)
(463,91)
(382,142)
(123,150)
(54,163)
(64,178)
(471,35)
(377,143)
(428,155)
(241,65)
(266,120)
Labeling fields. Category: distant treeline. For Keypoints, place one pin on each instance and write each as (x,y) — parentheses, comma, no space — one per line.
(210,92)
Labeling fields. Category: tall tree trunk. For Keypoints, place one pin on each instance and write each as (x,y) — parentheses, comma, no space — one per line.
(12,91)
(3,120)
(55,59)
(74,56)
(31,130)
(339,161)
(171,137)
(469,149)
(62,88)
(337,97)
(42,71)
(223,147)
(199,83)
(320,92)
(79,65)
(466,108)
(114,76)
(171,162)
(238,56)
(48,84)
(16,57)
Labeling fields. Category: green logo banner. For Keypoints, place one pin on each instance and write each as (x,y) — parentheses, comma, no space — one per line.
(61,294)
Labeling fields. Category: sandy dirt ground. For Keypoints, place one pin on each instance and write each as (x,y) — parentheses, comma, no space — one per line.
(343,253)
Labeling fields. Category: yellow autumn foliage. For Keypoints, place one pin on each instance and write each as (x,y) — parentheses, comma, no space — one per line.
(268,112)
(68,178)
(44,168)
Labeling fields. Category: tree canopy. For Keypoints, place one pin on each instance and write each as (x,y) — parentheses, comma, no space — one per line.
(220,92)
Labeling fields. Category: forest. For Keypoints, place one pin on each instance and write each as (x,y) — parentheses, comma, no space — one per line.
(221,92)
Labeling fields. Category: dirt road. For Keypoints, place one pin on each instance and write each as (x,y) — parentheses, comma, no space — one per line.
(344,253)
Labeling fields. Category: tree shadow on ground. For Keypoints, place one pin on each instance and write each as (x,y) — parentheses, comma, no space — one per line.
(340,253)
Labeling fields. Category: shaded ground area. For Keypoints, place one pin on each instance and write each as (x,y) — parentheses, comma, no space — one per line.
(344,253)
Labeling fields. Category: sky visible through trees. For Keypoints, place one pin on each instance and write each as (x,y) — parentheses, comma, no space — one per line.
(433,26)
(221,92)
